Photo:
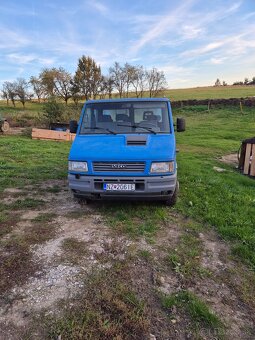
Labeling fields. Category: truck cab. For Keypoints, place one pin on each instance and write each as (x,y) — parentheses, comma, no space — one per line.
(125,149)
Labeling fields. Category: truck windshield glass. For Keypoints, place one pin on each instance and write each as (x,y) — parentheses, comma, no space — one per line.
(127,117)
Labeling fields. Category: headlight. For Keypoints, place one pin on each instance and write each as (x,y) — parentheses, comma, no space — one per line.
(78,166)
(161,167)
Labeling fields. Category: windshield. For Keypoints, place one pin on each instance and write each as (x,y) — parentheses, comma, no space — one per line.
(125,117)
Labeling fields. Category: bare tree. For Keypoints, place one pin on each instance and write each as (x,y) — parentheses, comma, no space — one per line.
(138,81)
(21,89)
(106,87)
(156,82)
(118,76)
(129,72)
(62,84)
(37,87)
(10,91)
(5,94)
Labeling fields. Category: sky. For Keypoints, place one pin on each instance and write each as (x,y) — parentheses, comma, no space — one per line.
(193,41)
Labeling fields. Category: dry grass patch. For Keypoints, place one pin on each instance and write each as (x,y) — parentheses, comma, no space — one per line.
(107,309)
(74,250)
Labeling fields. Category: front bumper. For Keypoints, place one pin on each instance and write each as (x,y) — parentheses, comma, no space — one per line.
(153,187)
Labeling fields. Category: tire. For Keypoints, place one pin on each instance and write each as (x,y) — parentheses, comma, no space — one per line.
(81,200)
(171,201)
(5,126)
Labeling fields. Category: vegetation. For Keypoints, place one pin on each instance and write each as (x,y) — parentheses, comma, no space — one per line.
(25,161)
(245,82)
(87,83)
(114,303)
(108,309)
(211,92)
(53,110)
(223,200)
(197,310)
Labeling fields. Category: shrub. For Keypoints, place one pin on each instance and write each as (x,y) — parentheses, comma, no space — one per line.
(53,111)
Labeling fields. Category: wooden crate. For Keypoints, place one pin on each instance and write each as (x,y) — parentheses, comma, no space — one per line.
(249,161)
(52,135)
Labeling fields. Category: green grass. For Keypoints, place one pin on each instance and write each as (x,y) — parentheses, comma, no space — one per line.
(33,109)
(184,259)
(198,311)
(24,161)
(44,217)
(135,219)
(225,200)
(210,92)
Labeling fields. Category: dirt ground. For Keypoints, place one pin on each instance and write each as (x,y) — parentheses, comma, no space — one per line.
(55,271)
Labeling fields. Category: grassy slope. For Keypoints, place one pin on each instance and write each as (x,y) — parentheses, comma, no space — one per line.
(208,92)
(211,92)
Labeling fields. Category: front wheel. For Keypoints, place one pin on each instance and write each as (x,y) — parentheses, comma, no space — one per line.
(5,126)
(81,200)
(171,201)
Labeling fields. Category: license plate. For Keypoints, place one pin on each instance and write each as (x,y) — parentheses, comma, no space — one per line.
(119,187)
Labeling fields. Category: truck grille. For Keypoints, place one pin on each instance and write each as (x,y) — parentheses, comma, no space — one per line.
(118,166)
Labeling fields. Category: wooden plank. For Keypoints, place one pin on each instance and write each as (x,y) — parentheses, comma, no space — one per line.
(247,159)
(252,169)
(48,134)
(72,136)
(52,135)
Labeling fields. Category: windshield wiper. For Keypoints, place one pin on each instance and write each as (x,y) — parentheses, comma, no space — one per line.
(139,127)
(99,128)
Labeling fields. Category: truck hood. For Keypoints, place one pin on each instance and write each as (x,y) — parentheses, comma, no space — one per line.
(114,148)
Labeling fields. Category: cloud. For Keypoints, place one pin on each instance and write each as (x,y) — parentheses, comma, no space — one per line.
(14,10)
(23,59)
(190,31)
(98,6)
(236,44)
(162,26)
(204,49)
(248,16)
(217,61)
(11,39)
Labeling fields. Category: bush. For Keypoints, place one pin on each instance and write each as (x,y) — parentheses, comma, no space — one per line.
(53,111)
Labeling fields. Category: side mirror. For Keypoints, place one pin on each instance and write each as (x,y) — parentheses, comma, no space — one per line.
(181,125)
(73,125)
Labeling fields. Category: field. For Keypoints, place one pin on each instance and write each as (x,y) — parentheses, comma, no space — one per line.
(130,270)
(211,92)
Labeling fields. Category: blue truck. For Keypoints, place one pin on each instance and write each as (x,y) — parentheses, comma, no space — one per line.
(125,149)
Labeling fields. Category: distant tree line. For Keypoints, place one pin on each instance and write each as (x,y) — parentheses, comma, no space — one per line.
(88,82)
(245,82)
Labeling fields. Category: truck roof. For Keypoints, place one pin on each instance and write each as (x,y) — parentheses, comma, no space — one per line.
(128,100)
